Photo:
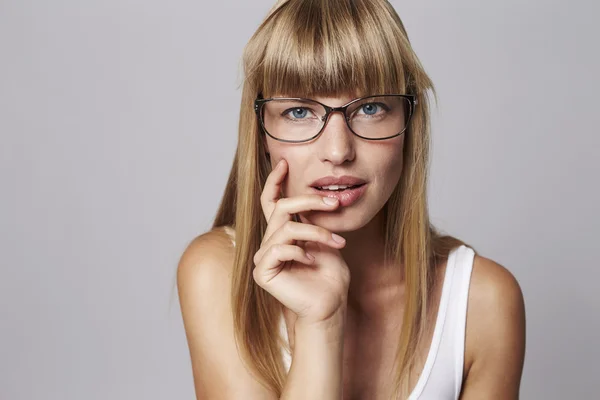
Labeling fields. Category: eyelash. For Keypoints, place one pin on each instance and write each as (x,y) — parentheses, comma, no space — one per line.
(381,105)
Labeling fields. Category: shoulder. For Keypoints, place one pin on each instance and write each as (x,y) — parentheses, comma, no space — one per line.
(217,241)
(494,292)
(204,281)
(493,284)
(208,254)
(204,277)
(495,328)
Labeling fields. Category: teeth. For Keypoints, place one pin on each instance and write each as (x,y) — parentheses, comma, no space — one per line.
(335,187)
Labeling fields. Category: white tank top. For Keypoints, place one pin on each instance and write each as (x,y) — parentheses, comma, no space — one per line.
(442,375)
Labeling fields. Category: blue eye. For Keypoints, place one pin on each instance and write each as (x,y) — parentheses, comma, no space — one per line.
(370,108)
(299,113)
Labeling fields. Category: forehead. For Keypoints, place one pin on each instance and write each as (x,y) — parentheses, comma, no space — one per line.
(333,100)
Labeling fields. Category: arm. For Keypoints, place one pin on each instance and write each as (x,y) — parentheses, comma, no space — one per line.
(316,371)
(495,334)
(203,281)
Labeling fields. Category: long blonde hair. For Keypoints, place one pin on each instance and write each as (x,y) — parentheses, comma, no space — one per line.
(330,47)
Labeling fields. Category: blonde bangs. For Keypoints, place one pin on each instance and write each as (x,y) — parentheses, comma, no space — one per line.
(328,48)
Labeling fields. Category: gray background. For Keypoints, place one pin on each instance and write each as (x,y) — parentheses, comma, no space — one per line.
(118,125)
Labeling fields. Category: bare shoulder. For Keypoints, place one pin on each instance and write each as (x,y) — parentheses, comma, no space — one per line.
(204,287)
(211,252)
(205,267)
(493,284)
(495,342)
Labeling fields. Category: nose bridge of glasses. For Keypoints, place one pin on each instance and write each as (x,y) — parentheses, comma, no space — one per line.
(344,124)
(329,111)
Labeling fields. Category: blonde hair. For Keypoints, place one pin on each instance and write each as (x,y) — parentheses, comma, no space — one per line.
(330,47)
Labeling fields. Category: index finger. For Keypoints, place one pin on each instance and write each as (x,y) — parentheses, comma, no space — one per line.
(272,190)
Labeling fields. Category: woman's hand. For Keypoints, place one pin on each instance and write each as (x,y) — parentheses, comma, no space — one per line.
(311,279)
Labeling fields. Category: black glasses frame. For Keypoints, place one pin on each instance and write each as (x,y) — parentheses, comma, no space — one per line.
(260,102)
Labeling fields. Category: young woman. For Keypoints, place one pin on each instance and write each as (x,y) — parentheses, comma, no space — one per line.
(322,277)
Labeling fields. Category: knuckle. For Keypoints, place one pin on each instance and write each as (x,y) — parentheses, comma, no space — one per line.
(324,234)
(276,250)
(289,226)
(256,257)
(281,203)
(263,197)
(256,275)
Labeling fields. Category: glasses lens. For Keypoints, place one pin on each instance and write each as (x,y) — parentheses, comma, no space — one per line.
(292,120)
(379,117)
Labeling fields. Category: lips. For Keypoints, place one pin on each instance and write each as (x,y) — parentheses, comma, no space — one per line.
(345,180)
(346,197)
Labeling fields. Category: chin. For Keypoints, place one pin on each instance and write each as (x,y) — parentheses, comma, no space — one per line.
(339,221)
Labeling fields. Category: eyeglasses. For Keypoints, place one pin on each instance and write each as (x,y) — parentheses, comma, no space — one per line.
(297,120)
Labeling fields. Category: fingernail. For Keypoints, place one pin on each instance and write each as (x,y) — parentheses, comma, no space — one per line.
(330,200)
(310,257)
(338,238)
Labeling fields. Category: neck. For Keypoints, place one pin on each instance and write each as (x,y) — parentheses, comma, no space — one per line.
(372,280)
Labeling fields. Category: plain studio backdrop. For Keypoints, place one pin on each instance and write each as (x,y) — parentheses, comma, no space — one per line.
(118,123)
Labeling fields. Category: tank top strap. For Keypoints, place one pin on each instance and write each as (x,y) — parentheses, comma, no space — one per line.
(442,374)
(462,280)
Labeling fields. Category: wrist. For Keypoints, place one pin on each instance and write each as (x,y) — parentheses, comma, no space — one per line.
(332,325)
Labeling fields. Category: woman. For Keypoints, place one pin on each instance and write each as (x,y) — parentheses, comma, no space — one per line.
(322,277)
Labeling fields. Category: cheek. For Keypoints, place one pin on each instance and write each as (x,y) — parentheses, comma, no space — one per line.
(389,164)
(391,171)
(294,178)
(395,167)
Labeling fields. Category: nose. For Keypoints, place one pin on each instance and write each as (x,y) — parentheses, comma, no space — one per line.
(336,143)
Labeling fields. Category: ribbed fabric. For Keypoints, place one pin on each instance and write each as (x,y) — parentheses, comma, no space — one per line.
(441,378)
